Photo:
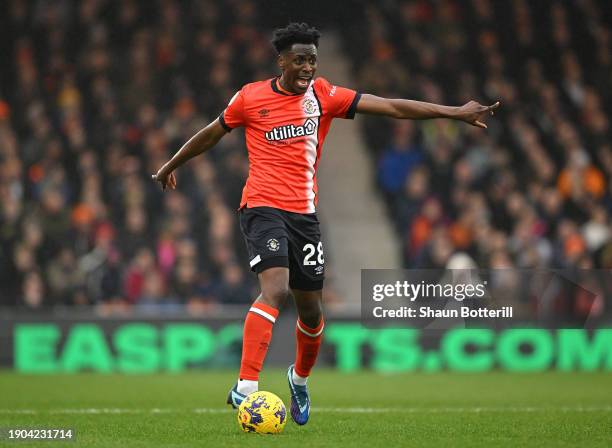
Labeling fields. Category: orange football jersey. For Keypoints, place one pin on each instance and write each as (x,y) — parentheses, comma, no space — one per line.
(284,139)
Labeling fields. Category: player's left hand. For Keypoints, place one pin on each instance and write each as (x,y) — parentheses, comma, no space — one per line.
(165,179)
(474,113)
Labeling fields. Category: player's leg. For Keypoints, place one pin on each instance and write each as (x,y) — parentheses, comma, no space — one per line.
(257,332)
(306,275)
(266,239)
(308,331)
(260,319)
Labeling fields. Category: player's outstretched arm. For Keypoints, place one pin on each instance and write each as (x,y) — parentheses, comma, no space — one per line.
(472,112)
(202,141)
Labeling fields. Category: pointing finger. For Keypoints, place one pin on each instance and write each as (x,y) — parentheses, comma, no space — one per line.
(480,124)
(494,106)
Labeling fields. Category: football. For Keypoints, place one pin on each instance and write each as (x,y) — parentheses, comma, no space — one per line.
(262,412)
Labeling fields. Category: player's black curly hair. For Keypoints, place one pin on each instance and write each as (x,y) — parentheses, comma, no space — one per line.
(295,33)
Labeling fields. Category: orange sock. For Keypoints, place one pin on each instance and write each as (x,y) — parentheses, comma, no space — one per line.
(256,339)
(308,343)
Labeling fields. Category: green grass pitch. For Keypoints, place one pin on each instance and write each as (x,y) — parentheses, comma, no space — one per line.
(362,409)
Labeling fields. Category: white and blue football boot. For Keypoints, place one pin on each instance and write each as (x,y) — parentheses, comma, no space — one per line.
(235,398)
(300,400)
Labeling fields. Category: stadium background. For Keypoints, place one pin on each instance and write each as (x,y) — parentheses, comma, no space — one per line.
(96,95)
(124,287)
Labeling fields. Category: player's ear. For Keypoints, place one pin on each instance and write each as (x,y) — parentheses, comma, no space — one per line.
(280,60)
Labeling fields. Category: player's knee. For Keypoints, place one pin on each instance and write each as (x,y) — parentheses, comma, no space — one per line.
(275,295)
(274,286)
(275,290)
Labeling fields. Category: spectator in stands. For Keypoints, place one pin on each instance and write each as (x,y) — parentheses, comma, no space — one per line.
(535,190)
(399,159)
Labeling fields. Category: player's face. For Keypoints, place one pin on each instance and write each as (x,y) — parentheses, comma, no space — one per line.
(298,65)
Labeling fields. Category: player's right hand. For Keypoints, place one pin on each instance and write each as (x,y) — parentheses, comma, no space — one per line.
(475,113)
(165,179)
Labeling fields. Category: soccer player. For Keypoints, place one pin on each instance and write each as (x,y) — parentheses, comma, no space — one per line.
(286,119)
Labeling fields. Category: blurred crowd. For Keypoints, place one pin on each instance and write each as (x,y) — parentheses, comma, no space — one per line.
(95,96)
(535,189)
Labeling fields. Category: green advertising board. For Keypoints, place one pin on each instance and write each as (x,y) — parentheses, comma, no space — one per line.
(141,347)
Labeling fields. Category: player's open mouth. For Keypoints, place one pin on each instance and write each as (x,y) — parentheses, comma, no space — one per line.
(303,82)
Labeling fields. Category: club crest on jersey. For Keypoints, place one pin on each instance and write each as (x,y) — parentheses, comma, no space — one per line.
(291,131)
(309,106)
(273,245)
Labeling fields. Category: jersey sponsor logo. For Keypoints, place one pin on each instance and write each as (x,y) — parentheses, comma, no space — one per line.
(291,131)
(309,106)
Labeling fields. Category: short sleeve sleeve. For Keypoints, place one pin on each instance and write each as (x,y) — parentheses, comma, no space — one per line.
(339,102)
(233,115)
